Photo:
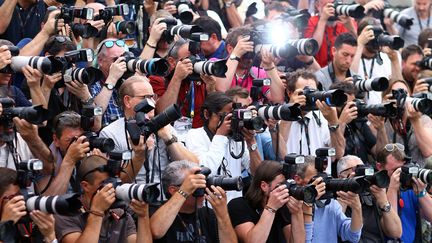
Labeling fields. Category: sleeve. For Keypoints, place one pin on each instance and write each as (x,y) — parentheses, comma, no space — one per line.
(158,85)
(95,89)
(309,231)
(310,29)
(283,216)
(240,212)
(267,145)
(20,98)
(65,225)
(344,225)
(211,156)
(370,139)
(130,226)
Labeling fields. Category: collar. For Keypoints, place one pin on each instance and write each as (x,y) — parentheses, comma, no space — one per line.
(220,52)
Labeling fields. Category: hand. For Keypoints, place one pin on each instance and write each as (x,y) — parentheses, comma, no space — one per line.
(45,223)
(412,114)
(295,206)
(298,97)
(421,87)
(113,33)
(348,114)
(376,121)
(427,51)
(329,113)
(349,80)
(5,56)
(48,27)
(350,199)
(218,199)
(117,69)
(183,69)
(98,24)
(225,128)
(320,187)
(140,208)
(328,11)
(79,89)
(156,32)
(14,209)
(392,54)
(249,136)
(103,199)
(193,181)
(50,80)
(345,20)
(271,123)
(243,46)
(27,130)
(375,5)
(99,153)
(65,30)
(210,82)
(379,194)
(77,150)
(170,7)
(33,76)
(366,35)
(139,149)
(419,185)
(395,180)
(267,59)
(278,197)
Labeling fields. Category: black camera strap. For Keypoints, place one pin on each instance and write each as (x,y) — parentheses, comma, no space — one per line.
(428,19)
(365,73)
(304,123)
(29,14)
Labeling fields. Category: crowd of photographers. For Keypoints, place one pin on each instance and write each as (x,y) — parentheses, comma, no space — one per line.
(215,121)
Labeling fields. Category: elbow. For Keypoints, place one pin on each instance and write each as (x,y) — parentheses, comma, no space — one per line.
(157,232)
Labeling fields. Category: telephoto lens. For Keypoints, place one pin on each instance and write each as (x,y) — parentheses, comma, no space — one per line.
(425,176)
(184,11)
(423,105)
(105,145)
(385,110)
(67,204)
(126,27)
(403,20)
(373,84)
(395,42)
(255,123)
(225,182)
(334,97)
(286,112)
(192,32)
(216,68)
(351,10)
(306,46)
(148,193)
(83,75)
(153,66)
(306,193)
(170,114)
(425,63)
(42,64)
(34,114)
(31,165)
(345,185)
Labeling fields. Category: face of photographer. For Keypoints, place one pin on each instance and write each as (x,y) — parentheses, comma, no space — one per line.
(101,198)
(343,57)
(180,62)
(422,7)
(110,61)
(410,70)
(243,46)
(216,125)
(141,90)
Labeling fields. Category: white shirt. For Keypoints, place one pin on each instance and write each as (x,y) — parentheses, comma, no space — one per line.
(6,158)
(242,9)
(212,153)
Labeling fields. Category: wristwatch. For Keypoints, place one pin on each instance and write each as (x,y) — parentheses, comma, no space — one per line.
(228,4)
(333,128)
(386,208)
(109,86)
(171,141)
(234,57)
(253,147)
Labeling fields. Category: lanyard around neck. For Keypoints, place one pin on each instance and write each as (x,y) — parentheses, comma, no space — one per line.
(428,19)
(366,75)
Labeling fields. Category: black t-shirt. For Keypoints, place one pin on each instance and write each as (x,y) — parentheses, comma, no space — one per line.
(241,212)
(183,228)
(359,140)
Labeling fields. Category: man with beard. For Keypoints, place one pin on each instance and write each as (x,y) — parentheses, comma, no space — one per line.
(410,70)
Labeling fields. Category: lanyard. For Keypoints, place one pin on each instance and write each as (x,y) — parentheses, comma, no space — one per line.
(192,99)
(29,14)
(428,21)
(245,76)
(366,75)
(304,123)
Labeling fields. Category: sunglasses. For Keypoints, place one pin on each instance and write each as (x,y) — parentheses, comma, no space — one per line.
(62,39)
(110,43)
(392,146)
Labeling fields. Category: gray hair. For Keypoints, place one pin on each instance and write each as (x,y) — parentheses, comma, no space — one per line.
(343,162)
(175,47)
(174,175)
(301,168)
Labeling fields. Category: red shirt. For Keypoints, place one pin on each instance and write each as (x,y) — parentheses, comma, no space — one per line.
(159,87)
(332,32)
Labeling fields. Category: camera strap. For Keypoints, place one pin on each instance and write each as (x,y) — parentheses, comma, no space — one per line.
(365,73)
(304,123)
(428,19)
(29,14)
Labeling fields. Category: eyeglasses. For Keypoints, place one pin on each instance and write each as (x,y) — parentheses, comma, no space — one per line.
(150,96)
(349,170)
(392,146)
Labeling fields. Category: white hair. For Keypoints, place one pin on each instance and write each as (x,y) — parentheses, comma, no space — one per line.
(343,162)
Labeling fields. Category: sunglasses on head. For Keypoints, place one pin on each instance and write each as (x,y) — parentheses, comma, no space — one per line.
(392,146)
(110,43)
(62,39)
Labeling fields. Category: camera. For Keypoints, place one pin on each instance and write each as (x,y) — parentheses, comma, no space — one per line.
(395,42)
(286,112)
(30,165)
(411,170)
(34,114)
(385,109)
(299,18)
(243,118)
(82,55)
(108,13)
(321,159)
(86,75)
(289,167)
(225,182)
(103,144)
(334,97)
(88,112)
(351,10)
(84,30)
(373,84)
(306,193)
(429,82)
(119,156)
(184,11)
(216,68)
(423,105)
(366,177)
(192,32)
(256,89)
(153,66)
(142,192)
(42,64)
(68,14)
(292,48)
(425,63)
(126,27)
(68,204)
(402,19)
(143,126)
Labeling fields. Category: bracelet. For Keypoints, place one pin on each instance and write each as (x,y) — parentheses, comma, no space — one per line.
(154,47)
(308,204)
(310,62)
(270,209)
(171,141)
(184,194)
(308,214)
(97,213)
(421,194)
(269,69)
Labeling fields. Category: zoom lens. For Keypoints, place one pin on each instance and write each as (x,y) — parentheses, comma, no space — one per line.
(226,183)
(375,84)
(68,204)
(286,112)
(141,192)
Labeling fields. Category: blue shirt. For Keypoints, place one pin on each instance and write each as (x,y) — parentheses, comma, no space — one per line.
(330,221)
(113,111)
(220,52)
(408,215)
(265,146)
(25,23)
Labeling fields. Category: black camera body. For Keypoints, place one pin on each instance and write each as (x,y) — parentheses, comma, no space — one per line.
(68,14)
(387,110)
(256,89)
(411,170)
(103,144)
(306,193)
(334,98)
(225,182)
(289,167)
(382,38)
(425,63)
(108,13)
(367,177)
(243,118)
(88,112)
(86,31)
(34,114)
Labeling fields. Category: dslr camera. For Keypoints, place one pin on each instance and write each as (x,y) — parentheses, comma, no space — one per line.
(351,10)
(68,14)
(286,112)
(184,9)
(225,182)
(108,13)
(216,68)
(42,64)
(395,42)
(334,97)
(84,30)
(243,118)
(402,19)
(387,109)
(412,170)
(367,177)
(423,105)
(373,84)
(34,114)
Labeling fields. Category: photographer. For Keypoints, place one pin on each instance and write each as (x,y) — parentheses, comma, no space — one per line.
(241,71)
(324,28)
(380,220)
(113,67)
(166,146)
(178,88)
(215,46)
(267,213)
(411,55)
(99,222)
(177,220)
(317,128)
(338,70)
(5,56)
(330,222)
(13,208)
(214,146)
(155,47)
(410,204)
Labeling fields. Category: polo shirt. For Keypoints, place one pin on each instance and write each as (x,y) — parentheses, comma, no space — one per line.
(25,23)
